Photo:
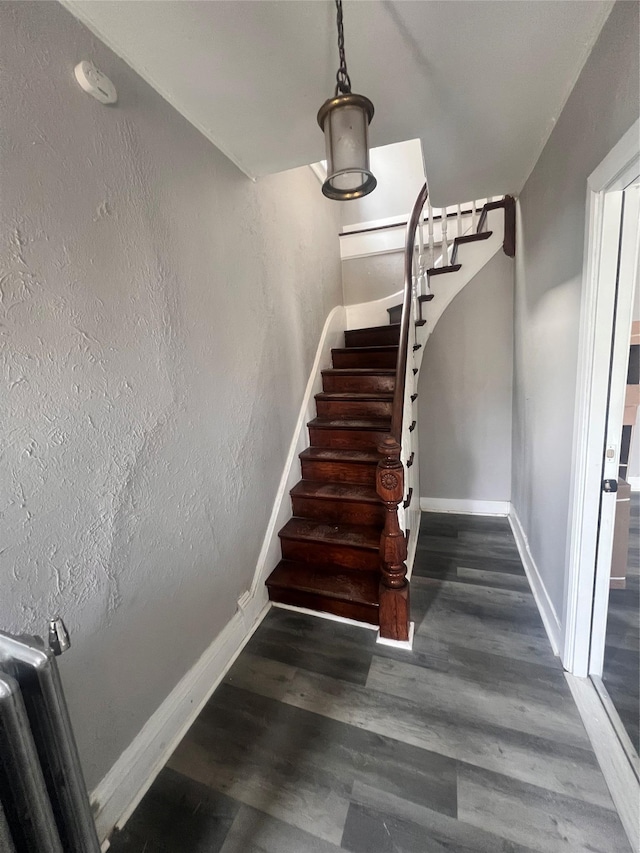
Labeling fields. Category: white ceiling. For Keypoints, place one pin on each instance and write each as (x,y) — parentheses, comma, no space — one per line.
(480,82)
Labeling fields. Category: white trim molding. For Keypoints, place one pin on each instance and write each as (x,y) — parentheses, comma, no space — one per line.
(319,170)
(412,546)
(545,605)
(321,614)
(614,762)
(406,645)
(119,792)
(332,336)
(476,256)
(634,482)
(465,506)
(604,184)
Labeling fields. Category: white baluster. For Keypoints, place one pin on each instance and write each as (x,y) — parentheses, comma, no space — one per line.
(445,247)
(459,221)
(415,279)
(473,216)
(422,277)
(432,251)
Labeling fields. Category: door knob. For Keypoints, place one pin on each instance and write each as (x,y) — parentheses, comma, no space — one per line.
(610,486)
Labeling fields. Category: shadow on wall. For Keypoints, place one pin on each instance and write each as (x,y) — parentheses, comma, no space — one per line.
(447,468)
(373,277)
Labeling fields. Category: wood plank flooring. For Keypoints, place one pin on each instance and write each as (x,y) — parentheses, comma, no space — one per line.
(319,740)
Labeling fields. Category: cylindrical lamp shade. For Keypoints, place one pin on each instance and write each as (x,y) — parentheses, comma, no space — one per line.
(345,121)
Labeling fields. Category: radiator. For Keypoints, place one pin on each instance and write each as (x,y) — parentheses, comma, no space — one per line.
(44,807)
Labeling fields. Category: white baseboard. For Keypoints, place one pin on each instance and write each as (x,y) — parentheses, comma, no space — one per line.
(616,768)
(634,482)
(545,606)
(464,506)
(117,795)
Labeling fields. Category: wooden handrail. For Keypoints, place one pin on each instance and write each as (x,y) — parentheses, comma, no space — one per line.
(393,597)
(401,364)
(425,219)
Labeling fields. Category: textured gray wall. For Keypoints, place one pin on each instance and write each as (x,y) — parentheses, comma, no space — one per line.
(465,392)
(374,277)
(551,216)
(159,316)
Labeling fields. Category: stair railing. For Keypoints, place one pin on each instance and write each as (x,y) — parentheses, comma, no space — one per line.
(394,608)
(394,612)
(463,218)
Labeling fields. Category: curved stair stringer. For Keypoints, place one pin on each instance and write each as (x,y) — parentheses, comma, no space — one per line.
(473,257)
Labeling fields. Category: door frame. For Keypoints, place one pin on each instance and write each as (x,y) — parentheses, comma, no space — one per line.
(627,281)
(602,227)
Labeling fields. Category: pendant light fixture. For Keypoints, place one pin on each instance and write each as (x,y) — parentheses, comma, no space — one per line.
(345,120)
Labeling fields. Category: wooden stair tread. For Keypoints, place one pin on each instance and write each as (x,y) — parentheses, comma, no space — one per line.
(329,581)
(442,270)
(326,490)
(472,238)
(337,454)
(353,535)
(340,396)
(373,424)
(373,349)
(360,371)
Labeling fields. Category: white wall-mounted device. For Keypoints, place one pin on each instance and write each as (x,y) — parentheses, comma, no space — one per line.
(95,82)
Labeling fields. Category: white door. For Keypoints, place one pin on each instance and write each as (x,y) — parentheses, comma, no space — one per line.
(612,238)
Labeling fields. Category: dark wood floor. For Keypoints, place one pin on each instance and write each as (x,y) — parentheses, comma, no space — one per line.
(621,671)
(319,740)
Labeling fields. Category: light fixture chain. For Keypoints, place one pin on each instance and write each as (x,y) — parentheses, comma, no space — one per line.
(343,83)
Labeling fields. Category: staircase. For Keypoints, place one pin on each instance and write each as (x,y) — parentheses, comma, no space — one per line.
(331,546)
(344,551)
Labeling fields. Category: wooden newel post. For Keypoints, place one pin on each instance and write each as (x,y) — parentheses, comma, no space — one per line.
(394,589)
